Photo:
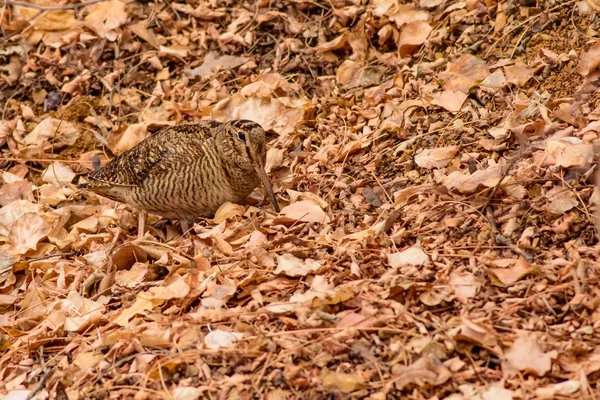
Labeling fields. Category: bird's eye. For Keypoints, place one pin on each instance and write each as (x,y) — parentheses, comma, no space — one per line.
(242,136)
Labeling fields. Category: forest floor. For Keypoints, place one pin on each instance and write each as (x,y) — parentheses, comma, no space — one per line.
(436,166)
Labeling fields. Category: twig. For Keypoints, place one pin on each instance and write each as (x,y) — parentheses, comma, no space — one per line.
(74,6)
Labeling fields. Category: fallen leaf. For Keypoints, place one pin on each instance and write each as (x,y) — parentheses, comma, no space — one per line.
(426,370)
(346,383)
(497,392)
(58,174)
(213,64)
(465,285)
(105,17)
(510,275)
(464,182)
(590,60)
(436,158)
(570,152)
(560,200)
(464,73)
(413,35)
(293,266)
(526,355)
(218,339)
(305,211)
(449,99)
(410,256)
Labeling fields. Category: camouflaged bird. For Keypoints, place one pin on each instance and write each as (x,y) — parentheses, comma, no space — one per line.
(187,171)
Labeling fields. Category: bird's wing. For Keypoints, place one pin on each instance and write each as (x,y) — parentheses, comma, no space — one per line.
(164,151)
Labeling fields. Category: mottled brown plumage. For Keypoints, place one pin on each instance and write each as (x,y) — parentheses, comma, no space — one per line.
(187,171)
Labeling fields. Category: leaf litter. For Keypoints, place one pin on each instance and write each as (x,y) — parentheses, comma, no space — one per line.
(436,163)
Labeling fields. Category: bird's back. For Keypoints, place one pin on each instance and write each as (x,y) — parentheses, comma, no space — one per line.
(175,173)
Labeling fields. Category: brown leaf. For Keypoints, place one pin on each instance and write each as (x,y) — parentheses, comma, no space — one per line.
(413,35)
(509,276)
(105,17)
(436,158)
(589,60)
(526,355)
(305,211)
(449,99)
(293,266)
(464,73)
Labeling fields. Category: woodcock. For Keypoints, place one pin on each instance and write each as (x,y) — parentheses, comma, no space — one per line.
(187,171)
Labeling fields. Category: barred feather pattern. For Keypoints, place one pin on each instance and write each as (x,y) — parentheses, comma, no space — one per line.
(185,171)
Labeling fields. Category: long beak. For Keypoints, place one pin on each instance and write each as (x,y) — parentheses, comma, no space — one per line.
(265,180)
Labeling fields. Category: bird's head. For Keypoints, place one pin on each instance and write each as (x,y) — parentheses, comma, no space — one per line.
(244,142)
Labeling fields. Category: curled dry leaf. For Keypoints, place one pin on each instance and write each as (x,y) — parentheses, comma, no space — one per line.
(213,63)
(413,35)
(436,158)
(464,73)
(464,182)
(346,383)
(305,211)
(127,255)
(258,102)
(352,74)
(293,267)
(227,210)
(566,388)
(411,256)
(56,20)
(510,275)
(450,100)
(465,285)
(58,174)
(28,230)
(589,60)
(570,152)
(481,335)
(404,196)
(218,338)
(81,313)
(398,13)
(526,355)
(561,199)
(497,392)
(436,295)
(105,17)
(133,135)
(426,370)
(51,130)
(519,74)
(571,114)
(13,211)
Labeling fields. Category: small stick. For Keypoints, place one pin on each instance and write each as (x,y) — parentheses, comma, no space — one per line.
(75,6)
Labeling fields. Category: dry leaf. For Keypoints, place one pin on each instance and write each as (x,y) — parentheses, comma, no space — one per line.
(561,199)
(526,355)
(464,73)
(410,256)
(589,60)
(508,276)
(218,339)
(305,211)
(105,17)
(413,35)
(465,285)
(570,152)
(449,99)
(293,266)
(436,158)
(58,174)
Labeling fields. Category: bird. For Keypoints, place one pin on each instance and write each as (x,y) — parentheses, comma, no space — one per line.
(186,171)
